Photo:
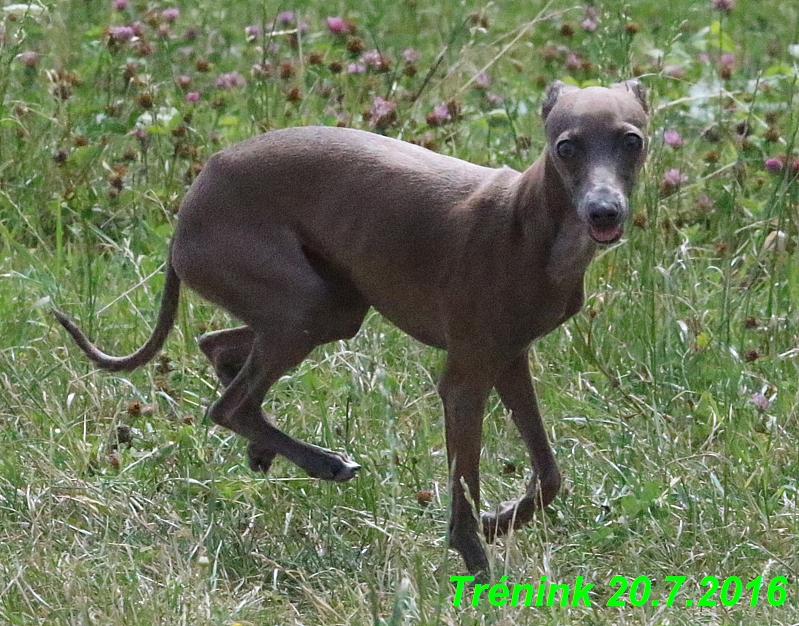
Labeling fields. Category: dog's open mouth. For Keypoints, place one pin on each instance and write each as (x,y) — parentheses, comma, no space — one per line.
(606,235)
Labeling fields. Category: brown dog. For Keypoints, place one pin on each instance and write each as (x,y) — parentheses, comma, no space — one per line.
(298,232)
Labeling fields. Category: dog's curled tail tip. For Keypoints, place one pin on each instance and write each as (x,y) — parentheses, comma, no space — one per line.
(145,354)
(68,324)
(62,319)
(99,358)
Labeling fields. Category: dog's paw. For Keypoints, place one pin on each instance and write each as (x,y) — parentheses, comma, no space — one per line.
(470,548)
(496,523)
(511,513)
(325,464)
(260,459)
(329,465)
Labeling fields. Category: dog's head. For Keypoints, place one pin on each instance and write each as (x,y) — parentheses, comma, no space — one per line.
(597,143)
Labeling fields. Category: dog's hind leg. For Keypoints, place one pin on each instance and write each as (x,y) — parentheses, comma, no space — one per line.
(515,388)
(239,409)
(228,351)
(290,308)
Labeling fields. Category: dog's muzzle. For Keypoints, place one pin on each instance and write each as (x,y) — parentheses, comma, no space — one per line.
(605,211)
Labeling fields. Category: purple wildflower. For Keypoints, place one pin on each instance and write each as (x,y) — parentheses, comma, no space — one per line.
(183,81)
(675,71)
(672,138)
(482,81)
(120,5)
(251,33)
(337,26)
(192,96)
(138,28)
(760,401)
(229,80)
(372,58)
(672,180)
(285,18)
(705,202)
(410,55)
(589,24)
(495,99)
(573,61)
(381,106)
(439,116)
(383,113)
(775,164)
(356,68)
(121,33)
(726,65)
(170,14)
(724,5)
(261,70)
(29,58)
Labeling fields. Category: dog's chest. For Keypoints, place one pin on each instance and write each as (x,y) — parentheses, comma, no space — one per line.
(569,257)
(558,293)
(563,303)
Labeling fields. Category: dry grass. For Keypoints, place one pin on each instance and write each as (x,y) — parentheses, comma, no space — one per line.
(671,401)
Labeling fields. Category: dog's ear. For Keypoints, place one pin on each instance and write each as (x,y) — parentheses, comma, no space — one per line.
(554,91)
(634,85)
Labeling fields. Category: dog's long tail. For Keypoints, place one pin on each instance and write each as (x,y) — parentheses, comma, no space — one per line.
(145,354)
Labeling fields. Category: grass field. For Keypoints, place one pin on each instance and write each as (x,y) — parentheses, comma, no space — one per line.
(671,401)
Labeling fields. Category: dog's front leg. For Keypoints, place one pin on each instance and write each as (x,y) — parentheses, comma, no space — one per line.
(464,394)
(515,388)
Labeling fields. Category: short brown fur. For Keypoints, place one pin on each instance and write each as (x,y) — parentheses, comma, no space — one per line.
(298,232)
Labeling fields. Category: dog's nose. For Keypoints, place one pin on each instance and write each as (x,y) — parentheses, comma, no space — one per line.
(604,213)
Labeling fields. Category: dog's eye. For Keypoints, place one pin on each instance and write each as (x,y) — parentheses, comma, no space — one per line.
(633,142)
(566,149)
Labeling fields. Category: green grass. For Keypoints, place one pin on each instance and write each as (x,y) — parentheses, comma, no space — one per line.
(670,466)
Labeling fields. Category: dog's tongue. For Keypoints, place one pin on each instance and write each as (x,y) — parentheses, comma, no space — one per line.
(606,235)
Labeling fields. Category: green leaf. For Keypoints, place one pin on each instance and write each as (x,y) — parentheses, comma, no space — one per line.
(94,33)
(707,408)
(779,69)
(720,40)
(157,130)
(630,505)
(82,157)
(497,118)
(651,491)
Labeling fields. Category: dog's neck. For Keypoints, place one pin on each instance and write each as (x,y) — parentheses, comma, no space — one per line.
(551,223)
